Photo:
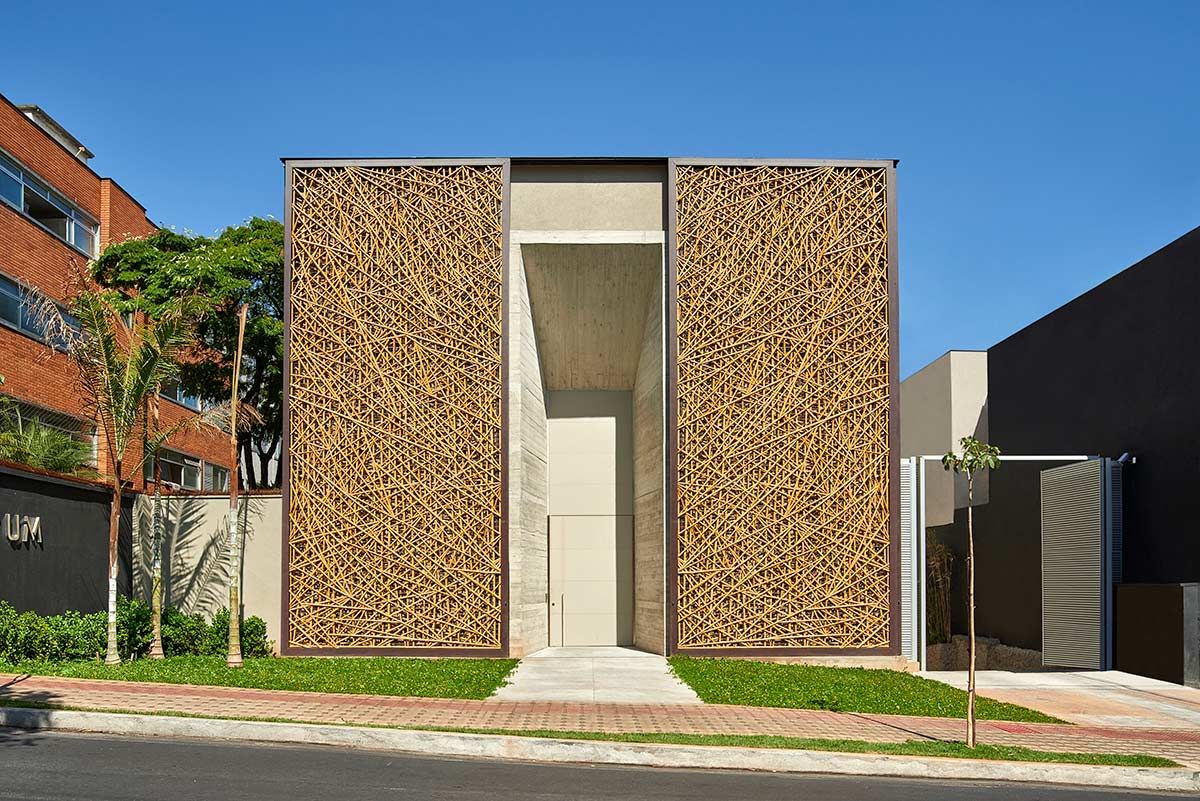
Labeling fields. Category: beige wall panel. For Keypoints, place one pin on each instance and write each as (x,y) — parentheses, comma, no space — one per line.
(940,404)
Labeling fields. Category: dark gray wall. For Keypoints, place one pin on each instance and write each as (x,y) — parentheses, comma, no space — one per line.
(1113,371)
(69,570)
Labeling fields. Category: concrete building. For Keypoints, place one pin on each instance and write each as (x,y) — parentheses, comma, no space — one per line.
(1109,373)
(56,214)
(948,401)
(641,402)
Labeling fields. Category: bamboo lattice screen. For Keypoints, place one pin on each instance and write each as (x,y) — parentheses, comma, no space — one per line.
(783,393)
(395,407)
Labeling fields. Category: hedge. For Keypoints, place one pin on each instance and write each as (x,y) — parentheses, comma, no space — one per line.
(71,636)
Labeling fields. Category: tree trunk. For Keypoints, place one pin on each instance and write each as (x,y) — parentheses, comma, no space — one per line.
(234,659)
(156,540)
(111,656)
(971,613)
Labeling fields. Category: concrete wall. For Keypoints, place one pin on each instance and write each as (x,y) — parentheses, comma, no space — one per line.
(939,405)
(196,557)
(649,535)
(527,536)
(567,197)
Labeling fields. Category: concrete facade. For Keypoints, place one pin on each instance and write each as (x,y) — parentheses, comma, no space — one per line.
(649,475)
(585,275)
(591,399)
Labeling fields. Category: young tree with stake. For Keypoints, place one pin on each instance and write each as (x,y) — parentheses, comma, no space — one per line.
(975,456)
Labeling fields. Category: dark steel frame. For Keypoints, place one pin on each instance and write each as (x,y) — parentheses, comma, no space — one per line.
(672,414)
(290,165)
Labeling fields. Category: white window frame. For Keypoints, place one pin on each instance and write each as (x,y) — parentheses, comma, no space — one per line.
(30,181)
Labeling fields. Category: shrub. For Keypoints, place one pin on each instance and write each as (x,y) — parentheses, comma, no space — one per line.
(30,637)
(182,634)
(78,636)
(134,630)
(254,636)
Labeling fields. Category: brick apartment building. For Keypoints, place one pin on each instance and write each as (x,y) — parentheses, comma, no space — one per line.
(56,213)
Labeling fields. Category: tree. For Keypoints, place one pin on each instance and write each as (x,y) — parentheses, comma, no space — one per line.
(120,366)
(243,265)
(975,456)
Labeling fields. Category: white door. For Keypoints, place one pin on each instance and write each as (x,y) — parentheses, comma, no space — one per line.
(591,564)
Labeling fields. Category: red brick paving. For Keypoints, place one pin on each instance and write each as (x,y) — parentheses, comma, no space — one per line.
(1181,745)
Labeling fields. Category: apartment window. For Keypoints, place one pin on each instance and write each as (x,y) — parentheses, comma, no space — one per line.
(173,390)
(37,201)
(176,468)
(16,311)
(216,478)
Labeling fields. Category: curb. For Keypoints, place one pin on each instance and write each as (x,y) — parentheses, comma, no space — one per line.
(533,749)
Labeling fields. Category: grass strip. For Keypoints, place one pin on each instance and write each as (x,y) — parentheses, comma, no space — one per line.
(927,748)
(422,678)
(837,689)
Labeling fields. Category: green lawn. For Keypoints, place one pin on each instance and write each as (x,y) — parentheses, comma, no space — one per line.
(910,748)
(430,678)
(737,681)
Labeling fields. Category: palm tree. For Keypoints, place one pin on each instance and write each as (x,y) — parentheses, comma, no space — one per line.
(32,443)
(120,366)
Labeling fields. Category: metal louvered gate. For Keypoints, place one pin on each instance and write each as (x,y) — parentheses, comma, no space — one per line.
(1081,561)
(909,553)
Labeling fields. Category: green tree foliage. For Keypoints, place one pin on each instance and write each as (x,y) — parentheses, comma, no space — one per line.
(244,264)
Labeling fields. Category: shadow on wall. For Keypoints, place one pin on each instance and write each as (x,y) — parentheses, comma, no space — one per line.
(196,557)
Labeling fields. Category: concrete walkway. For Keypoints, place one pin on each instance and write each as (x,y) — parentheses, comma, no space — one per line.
(596,674)
(431,713)
(1089,697)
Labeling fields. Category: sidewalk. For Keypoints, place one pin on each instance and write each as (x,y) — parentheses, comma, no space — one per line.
(116,696)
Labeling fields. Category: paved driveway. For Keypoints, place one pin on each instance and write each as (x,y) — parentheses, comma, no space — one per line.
(596,674)
(1095,698)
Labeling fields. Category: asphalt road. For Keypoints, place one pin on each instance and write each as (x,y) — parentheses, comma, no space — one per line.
(76,766)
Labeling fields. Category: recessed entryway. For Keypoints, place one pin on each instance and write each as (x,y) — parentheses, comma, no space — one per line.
(590,528)
(596,674)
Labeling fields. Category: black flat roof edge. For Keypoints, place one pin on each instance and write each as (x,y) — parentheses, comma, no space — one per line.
(597,160)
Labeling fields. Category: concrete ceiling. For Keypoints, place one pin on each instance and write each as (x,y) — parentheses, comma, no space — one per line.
(589,306)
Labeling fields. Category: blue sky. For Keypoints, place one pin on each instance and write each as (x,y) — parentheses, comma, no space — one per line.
(1043,146)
